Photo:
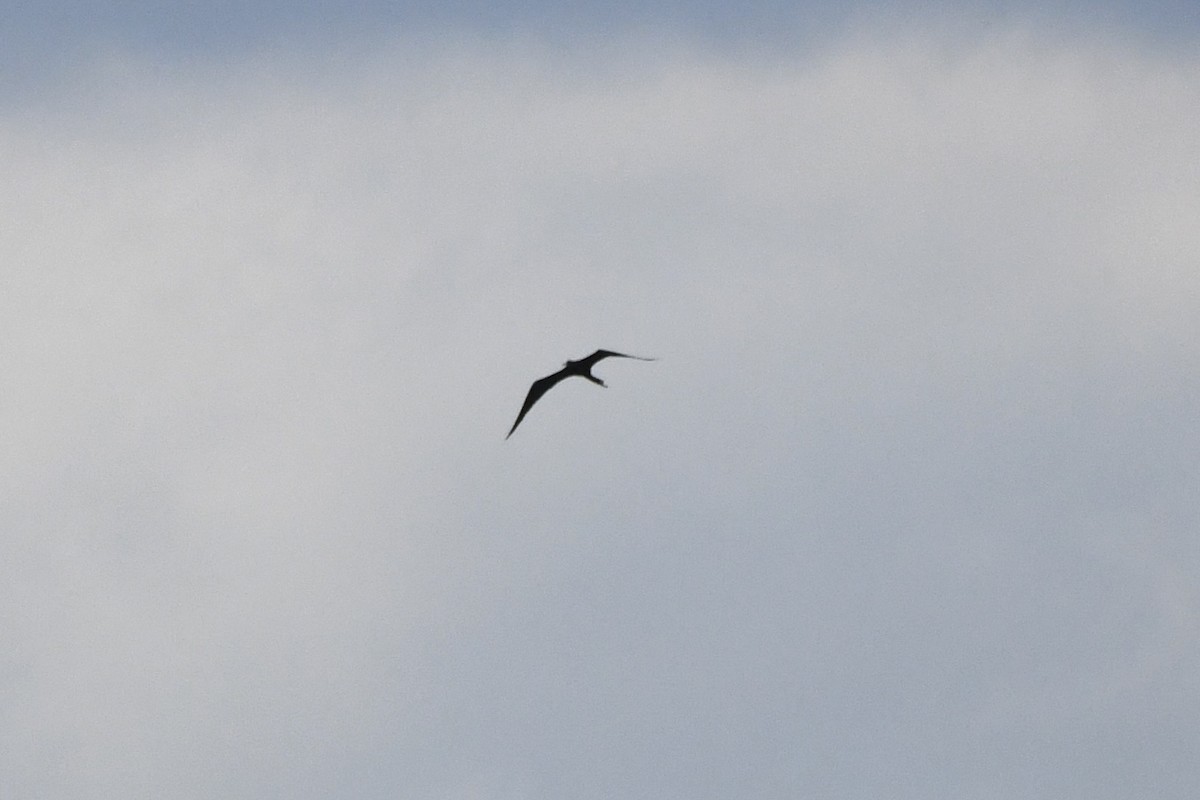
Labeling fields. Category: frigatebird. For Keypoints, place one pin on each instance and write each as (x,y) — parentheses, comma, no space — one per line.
(582,368)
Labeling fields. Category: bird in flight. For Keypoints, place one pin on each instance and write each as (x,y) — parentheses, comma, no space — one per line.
(582,368)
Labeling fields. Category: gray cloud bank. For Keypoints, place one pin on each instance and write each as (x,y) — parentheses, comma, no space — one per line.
(908,508)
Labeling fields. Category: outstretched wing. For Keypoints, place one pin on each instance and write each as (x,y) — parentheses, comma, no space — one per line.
(599,354)
(539,388)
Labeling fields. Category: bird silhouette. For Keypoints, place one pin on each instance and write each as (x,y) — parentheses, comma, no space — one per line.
(582,368)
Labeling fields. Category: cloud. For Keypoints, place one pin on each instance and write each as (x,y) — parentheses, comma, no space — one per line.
(907,502)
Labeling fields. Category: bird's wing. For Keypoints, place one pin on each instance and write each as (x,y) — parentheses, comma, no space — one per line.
(599,354)
(539,388)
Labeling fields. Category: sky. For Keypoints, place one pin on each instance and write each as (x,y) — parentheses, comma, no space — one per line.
(907,506)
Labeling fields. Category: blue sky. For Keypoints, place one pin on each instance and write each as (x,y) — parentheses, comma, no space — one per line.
(55,29)
(906,508)
(54,39)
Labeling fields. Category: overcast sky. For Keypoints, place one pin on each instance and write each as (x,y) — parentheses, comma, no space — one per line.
(907,508)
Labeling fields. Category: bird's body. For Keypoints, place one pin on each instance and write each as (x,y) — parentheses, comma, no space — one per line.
(581,368)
